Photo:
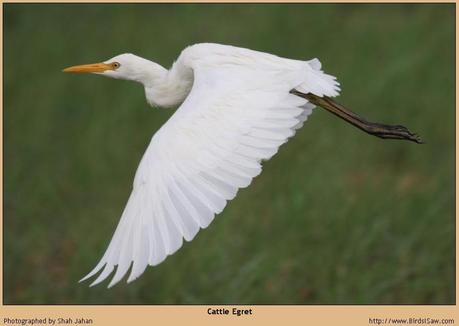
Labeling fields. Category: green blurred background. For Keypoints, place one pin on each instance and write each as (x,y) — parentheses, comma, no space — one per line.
(336,217)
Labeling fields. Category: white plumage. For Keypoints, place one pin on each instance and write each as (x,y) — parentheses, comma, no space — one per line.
(236,110)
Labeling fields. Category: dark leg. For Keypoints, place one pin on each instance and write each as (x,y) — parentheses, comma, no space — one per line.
(376,129)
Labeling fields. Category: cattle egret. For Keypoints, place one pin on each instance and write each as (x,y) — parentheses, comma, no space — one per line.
(236,107)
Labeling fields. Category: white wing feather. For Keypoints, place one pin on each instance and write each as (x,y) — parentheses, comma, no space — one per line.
(233,118)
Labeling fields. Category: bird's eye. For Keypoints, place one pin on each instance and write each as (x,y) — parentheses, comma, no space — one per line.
(116,65)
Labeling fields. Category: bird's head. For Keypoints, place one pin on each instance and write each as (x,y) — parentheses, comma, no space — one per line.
(124,66)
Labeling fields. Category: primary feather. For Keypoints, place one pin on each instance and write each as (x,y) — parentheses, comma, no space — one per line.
(235,112)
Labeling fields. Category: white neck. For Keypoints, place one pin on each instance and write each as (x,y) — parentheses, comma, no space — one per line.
(167,88)
(163,88)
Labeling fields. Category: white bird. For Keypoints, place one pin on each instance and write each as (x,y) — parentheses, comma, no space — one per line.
(237,106)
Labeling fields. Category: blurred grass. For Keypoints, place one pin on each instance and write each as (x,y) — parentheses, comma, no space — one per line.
(336,217)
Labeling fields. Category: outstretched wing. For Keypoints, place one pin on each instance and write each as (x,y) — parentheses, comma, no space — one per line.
(213,145)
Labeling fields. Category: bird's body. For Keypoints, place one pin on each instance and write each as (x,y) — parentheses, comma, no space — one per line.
(169,88)
(236,109)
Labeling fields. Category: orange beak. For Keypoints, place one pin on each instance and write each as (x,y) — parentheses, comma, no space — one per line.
(93,67)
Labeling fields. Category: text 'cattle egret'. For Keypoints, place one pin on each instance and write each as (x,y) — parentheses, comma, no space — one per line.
(237,106)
